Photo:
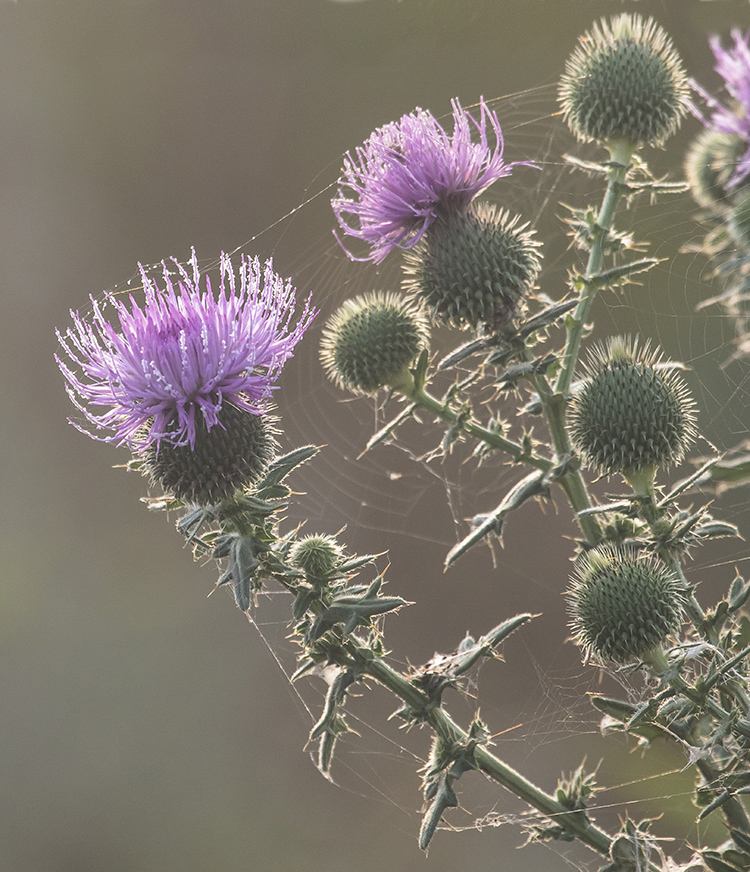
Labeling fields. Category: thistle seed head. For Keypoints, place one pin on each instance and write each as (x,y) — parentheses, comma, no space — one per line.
(623,603)
(632,412)
(372,340)
(475,268)
(624,82)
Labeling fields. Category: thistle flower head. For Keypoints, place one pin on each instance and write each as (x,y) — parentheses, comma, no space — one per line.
(733,65)
(372,340)
(623,603)
(624,82)
(167,371)
(316,556)
(409,172)
(475,269)
(632,412)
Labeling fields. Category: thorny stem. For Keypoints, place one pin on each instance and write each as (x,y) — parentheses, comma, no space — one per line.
(652,515)
(353,650)
(572,482)
(733,810)
(441,410)
(491,765)
(620,154)
(555,400)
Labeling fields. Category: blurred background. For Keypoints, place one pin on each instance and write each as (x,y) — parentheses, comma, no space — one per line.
(144,726)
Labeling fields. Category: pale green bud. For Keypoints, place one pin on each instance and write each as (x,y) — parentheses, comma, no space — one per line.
(710,163)
(623,604)
(632,412)
(316,556)
(371,341)
(624,82)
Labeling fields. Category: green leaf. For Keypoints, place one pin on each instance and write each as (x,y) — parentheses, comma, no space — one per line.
(282,466)
(534,484)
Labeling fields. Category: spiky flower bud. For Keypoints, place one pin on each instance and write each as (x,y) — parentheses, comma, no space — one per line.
(624,82)
(372,340)
(710,163)
(632,412)
(316,556)
(474,268)
(231,456)
(623,604)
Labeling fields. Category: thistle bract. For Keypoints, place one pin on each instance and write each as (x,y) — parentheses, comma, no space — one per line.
(623,603)
(316,556)
(624,82)
(733,65)
(173,363)
(231,456)
(409,172)
(632,411)
(475,269)
(371,341)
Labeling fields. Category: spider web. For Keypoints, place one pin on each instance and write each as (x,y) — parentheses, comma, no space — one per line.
(404,497)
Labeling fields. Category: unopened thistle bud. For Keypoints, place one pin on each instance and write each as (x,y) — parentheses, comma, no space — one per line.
(623,604)
(624,82)
(231,456)
(632,413)
(474,268)
(372,340)
(710,164)
(316,556)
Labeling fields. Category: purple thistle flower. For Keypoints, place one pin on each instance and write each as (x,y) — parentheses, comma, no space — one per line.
(407,172)
(183,354)
(733,65)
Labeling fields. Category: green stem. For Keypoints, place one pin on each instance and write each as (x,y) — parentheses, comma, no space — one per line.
(571,821)
(733,810)
(620,154)
(441,410)
(572,482)
(643,487)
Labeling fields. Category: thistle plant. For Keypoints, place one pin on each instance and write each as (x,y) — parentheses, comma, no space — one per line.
(186,379)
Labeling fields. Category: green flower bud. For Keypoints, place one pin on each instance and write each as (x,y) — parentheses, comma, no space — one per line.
(371,342)
(231,456)
(624,82)
(623,604)
(710,163)
(632,412)
(474,268)
(316,556)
